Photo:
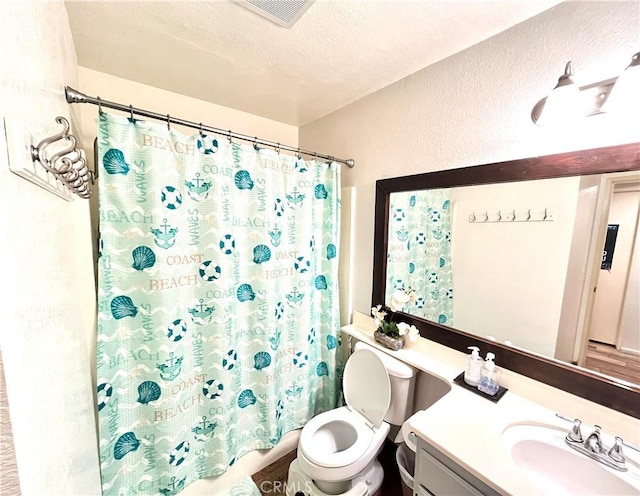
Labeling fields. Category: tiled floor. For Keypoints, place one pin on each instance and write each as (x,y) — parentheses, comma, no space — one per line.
(271,479)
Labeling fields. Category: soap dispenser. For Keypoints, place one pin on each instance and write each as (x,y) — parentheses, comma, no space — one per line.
(488,382)
(474,365)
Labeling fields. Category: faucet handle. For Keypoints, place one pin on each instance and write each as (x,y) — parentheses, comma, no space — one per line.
(615,453)
(575,435)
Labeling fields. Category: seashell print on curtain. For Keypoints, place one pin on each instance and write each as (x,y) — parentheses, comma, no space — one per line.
(419,252)
(218,302)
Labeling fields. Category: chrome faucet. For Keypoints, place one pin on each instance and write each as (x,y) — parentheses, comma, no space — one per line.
(592,446)
(593,442)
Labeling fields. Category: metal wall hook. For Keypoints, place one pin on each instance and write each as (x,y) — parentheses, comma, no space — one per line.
(509,215)
(68,163)
(38,150)
(70,149)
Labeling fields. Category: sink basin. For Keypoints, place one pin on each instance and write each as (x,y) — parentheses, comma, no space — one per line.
(541,454)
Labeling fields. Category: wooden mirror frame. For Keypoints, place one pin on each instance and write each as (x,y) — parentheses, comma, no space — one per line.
(592,386)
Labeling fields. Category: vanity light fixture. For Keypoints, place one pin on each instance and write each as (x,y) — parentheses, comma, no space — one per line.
(564,103)
(568,101)
(625,94)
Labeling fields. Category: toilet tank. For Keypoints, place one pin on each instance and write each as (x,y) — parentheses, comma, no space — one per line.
(402,378)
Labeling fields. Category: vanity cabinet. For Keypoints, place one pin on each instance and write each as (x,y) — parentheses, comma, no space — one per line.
(438,475)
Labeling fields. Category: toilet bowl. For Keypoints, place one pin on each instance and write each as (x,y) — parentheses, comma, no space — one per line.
(337,449)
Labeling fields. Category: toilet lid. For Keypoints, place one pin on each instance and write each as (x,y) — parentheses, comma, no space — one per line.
(366,386)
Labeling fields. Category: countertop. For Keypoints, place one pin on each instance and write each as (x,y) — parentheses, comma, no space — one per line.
(468,428)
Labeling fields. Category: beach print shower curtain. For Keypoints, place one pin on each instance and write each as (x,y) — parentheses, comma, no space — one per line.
(218,302)
(419,252)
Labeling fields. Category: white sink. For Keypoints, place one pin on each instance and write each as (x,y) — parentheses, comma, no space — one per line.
(541,454)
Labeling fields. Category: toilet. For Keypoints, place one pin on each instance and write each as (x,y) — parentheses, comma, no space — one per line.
(337,449)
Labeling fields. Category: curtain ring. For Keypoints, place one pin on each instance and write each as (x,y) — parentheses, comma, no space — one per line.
(278,148)
(255,144)
(201,131)
(229,136)
(168,122)
(298,153)
(99,105)
(131,113)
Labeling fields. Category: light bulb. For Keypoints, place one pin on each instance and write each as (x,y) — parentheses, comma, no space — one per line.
(624,97)
(564,104)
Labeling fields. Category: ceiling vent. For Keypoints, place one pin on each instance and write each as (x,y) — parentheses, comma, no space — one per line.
(284,13)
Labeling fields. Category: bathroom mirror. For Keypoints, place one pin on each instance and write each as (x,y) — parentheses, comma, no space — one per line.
(574,170)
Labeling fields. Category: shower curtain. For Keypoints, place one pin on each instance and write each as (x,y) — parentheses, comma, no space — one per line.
(419,252)
(218,302)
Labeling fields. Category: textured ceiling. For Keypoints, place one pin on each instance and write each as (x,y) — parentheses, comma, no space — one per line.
(338,52)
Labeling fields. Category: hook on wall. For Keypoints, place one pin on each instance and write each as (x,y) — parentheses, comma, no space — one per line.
(512,215)
(65,161)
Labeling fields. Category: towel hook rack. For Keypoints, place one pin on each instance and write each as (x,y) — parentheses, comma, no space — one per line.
(66,163)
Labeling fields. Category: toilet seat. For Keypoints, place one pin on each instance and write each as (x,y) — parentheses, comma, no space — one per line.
(365,374)
(341,437)
(321,451)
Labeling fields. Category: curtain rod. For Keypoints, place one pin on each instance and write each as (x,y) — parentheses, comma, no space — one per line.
(74,96)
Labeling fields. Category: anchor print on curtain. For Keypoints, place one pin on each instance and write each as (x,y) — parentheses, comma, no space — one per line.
(218,302)
(419,253)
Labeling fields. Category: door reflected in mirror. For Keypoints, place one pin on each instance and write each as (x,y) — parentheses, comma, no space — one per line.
(515,263)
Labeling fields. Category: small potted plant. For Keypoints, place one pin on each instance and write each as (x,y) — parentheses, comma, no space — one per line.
(389,333)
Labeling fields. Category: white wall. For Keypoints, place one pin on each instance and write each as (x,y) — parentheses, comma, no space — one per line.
(48,303)
(509,277)
(108,87)
(475,106)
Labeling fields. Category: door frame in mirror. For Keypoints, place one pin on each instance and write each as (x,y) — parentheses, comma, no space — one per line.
(607,391)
